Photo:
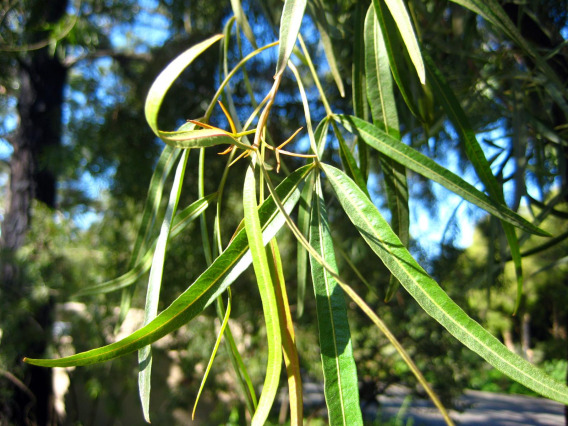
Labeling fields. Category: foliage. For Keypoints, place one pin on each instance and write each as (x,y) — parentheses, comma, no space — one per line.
(330,184)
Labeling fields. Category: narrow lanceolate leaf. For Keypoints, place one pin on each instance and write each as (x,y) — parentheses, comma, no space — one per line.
(340,373)
(395,50)
(384,242)
(268,297)
(304,213)
(166,78)
(154,285)
(414,160)
(181,220)
(383,108)
(360,106)
(493,12)
(243,22)
(348,160)
(474,152)
(210,284)
(200,138)
(165,165)
(149,216)
(317,10)
(402,19)
(290,23)
(289,349)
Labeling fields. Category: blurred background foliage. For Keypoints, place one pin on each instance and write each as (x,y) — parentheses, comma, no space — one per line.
(73,80)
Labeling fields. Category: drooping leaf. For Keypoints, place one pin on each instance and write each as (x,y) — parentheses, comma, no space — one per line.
(317,10)
(404,24)
(268,298)
(384,242)
(243,22)
(200,138)
(383,109)
(149,217)
(214,351)
(155,283)
(212,282)
(475,154)
(290,23)
(291,360)
(304,212)
(180,222)
(493,12)
(339,370)
(166,78)
(428,168)
(395,52)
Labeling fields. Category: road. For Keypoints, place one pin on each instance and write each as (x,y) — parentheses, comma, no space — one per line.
(476,408)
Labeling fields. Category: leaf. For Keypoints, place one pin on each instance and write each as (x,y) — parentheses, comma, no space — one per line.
(383,241)
(348,161)
(289,349)
(475,154)
(166,78)
(400,16)
(214,352)
(149,216)
(494,13)
(396,54)
(383,108)
(243,22)
(268,297)
(181,220)
(154,285)
(428,168)
(290,23)
(200,138)
(339,370)
(318,12)
(304,212)
(331,270)
(212,282)
(358,73)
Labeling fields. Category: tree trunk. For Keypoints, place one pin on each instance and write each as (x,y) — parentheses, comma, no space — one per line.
(42,78)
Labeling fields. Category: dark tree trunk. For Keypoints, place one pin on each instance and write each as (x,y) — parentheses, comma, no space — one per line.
(42,77)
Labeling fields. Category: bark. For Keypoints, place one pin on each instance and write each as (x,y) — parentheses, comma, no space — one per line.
(42,78)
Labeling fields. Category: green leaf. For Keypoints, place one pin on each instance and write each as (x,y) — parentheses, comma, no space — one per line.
(154,285)
(428,168)
(268,297)
(200,138)
(318,11)
(290,23)
(291,360)
(243,22)
(383,241)
(211,283)
(214,351)
(339,370)
(474,152)
(149,217)
(181,220)
(383,108)
(166,78)
(348,161)
(492,11)
(304,212)
(402,19)
(396,54)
